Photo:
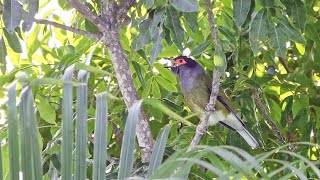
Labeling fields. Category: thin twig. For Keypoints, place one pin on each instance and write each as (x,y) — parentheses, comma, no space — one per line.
(266,116)
(201,128)
(68,28)
(285,65)
(213,26)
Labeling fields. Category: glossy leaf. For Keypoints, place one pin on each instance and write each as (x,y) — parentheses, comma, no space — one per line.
(186,5)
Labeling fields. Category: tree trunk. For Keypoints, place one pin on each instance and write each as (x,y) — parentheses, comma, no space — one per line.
(128,90)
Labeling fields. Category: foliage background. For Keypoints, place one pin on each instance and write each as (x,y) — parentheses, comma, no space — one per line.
(271,46)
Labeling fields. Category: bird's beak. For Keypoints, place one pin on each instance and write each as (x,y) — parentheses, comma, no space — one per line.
(171,63)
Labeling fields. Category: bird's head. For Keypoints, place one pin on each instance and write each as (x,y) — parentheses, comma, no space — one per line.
(182,62)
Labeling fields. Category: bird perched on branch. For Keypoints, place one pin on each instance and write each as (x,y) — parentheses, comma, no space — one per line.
(196,87)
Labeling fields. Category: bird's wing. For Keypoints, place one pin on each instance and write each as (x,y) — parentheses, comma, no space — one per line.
(224,100)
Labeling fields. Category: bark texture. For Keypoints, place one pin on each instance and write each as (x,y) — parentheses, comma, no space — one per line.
(128,90)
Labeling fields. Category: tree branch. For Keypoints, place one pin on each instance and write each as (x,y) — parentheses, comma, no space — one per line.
(201,128)
(124,8)
(68,28)
(266,116)
(86,12)
(103,6)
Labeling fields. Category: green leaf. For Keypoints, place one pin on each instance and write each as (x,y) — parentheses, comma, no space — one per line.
(128,142)
(67,121)
(156,48)
(173,24)
(292,33)
(200,48)
(220,59)
(300,120)
(297,10)
(259,31)
(13,41)
(47,112)
(278,40)
(32,42)
(154,27)
(12,14)
(146,90)
(166,73)
(13,136)
(186,5)
(29,13)
(137,68)
(100,136)
(166,84)
(159,105)
(275,109)
(30,146)
(145,35)
(240,11)
(83,66)
(158,150)
(149,3)
(191,20)
(81,121)
(155,90)
(230,35)
(299,103)
(3,51)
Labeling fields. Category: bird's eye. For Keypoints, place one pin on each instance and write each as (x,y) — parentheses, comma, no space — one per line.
(180,60)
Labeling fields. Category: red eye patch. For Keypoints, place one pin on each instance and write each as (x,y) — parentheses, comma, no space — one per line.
(180,61)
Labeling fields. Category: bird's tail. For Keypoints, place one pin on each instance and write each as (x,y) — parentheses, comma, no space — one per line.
(248,137)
